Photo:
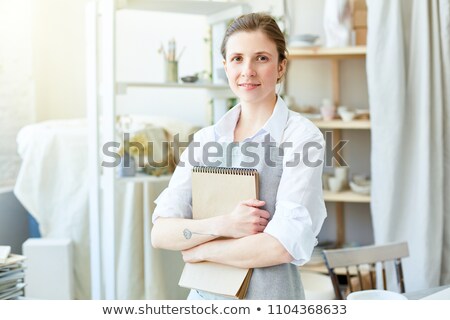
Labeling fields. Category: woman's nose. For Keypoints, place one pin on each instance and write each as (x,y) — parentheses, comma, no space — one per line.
(248,70)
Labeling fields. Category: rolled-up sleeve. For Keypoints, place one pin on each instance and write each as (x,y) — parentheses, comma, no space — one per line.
(300,209)
(176,200)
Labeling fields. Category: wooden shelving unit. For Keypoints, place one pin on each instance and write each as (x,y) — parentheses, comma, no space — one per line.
(144,178)
(339,124)
(335,55)
(220,91)
(211,86)
(345,196)
(328,53)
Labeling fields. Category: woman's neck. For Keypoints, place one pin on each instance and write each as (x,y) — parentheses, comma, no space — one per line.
(253,116)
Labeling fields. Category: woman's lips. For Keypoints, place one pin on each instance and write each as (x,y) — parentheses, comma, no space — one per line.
(249,86)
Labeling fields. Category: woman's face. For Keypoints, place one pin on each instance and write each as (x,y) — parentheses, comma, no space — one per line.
(252,66)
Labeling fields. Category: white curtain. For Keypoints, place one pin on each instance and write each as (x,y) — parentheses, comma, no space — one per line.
(53,185)
(408,67)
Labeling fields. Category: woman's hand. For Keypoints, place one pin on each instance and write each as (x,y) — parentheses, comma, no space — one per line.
(246,219)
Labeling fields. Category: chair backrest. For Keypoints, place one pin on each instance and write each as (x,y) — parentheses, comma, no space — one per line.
(354,261)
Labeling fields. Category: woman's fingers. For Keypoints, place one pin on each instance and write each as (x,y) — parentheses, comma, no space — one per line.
(263,222)
(253,202)
(247,219)
(261,228)
(263,214)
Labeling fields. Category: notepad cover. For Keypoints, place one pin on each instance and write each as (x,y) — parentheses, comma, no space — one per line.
(217,191)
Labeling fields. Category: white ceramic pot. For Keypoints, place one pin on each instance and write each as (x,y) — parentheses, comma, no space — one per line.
(335,184)
(347,115)
(327,113)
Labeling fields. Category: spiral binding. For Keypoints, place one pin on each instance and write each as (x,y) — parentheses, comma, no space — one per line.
(222,170)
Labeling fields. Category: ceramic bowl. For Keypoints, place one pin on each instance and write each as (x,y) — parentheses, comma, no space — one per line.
(360,188)
(375,295)
(347,115)
(361,180)
(189,79)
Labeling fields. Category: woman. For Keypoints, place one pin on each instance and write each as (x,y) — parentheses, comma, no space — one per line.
(273,234)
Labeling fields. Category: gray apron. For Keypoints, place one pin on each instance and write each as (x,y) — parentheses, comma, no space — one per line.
(280,282)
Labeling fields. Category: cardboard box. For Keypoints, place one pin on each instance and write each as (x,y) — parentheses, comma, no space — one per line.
(359,19)
(361,36)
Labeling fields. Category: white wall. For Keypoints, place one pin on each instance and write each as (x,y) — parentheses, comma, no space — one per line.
(16,91)
(139,36)
(59,58)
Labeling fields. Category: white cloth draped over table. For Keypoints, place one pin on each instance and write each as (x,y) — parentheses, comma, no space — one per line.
(53,186)
(408,68)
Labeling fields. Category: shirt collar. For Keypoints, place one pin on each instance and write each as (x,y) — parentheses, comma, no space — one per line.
(224,128)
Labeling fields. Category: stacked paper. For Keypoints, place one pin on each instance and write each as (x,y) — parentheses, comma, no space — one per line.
(12,277)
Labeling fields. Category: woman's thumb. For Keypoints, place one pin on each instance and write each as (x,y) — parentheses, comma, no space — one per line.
(253,202)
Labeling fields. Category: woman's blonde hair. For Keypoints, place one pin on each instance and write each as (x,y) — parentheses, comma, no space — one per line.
(257,22)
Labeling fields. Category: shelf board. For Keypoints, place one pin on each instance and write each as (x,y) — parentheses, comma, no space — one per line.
(328,53)
(345,196)
(180,85)
(339,124)
(206,8)
(140,177)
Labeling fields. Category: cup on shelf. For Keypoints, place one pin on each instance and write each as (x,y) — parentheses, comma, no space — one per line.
(342,174)
(335,184)
(172,71)
(327,112)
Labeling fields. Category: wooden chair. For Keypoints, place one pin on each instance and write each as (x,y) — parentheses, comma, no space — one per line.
(353,261)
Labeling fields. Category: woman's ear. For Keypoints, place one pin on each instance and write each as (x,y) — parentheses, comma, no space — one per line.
(282,68)
(224,65)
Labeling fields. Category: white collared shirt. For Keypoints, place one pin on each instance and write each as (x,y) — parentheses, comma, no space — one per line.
(300,208)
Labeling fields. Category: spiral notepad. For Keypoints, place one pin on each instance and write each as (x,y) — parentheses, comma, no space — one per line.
(217,191)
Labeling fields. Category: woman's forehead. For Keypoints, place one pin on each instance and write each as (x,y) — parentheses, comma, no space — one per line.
(250,42)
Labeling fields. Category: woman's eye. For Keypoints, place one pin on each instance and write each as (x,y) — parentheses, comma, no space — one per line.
(262,58)
(237,59)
